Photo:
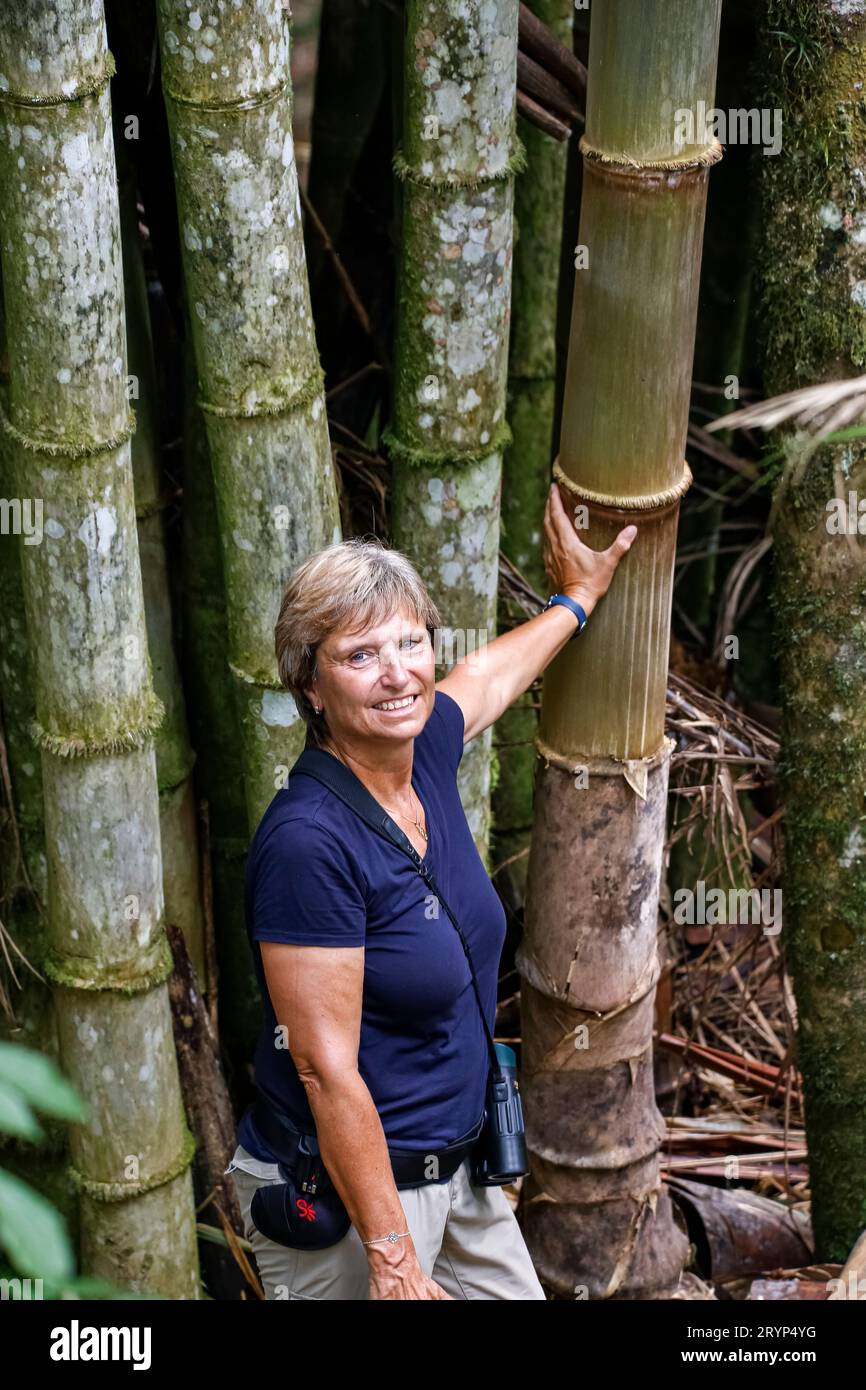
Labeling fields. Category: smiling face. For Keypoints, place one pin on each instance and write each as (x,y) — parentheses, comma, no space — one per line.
(377,685)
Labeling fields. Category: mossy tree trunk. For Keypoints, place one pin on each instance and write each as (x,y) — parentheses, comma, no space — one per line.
(228,93)
(96,711)
(538,206)
(597,1218)
(448,429)
(813,292)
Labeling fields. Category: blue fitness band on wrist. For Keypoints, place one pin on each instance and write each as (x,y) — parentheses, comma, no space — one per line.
(573,605)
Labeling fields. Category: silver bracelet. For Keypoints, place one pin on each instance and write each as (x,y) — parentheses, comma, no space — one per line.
(392,1236)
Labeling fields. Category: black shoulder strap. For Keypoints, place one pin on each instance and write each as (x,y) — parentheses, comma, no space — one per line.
(341,780)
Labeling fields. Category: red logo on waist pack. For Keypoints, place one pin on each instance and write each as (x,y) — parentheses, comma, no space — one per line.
(306,1209)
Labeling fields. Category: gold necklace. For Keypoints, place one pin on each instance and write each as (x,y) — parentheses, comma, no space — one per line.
(417,821)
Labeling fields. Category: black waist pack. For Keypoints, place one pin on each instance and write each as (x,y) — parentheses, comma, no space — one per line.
(305,1210)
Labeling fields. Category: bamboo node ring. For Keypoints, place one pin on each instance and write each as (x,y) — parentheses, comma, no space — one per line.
(80,92)
(650,502)
(86,974)
(122,738)
(231,104)
(622,163)
(122,1191)
(58,448)
(515,163)
(263,682)
(281,398)
(604,767)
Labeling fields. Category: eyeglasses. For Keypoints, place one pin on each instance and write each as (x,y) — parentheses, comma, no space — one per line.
(410,650)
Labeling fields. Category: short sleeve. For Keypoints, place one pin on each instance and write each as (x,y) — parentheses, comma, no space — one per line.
(306,890)
(452,723)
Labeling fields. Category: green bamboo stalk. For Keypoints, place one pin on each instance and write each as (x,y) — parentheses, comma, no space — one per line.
(588,957)
(812,270)
(460,152)
(174,756)
(215,731)
(228,94)
(538,207)
(96,711)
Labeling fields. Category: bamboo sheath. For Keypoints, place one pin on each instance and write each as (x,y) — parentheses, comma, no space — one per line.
(95,708)
(597,1216)
(448,430)
(228,96)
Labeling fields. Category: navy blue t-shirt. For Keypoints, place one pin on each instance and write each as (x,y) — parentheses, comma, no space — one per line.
(318,875)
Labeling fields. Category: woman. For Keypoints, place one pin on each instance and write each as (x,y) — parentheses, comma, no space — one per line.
(372,1030)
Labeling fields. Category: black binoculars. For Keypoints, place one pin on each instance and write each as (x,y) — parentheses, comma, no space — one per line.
(499,1155)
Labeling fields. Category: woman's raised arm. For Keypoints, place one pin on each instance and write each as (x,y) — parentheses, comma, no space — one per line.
(488,681)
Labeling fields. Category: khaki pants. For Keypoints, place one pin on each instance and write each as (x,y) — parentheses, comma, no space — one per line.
(467,1239)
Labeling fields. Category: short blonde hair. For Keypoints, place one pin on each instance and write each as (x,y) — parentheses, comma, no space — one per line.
(351,586)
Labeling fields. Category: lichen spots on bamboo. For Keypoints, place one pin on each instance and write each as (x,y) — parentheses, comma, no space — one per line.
(225,53)
(278,709)
(461,88)
(239,195)
(457,164)
(58,225)
(455,291)
(456,535)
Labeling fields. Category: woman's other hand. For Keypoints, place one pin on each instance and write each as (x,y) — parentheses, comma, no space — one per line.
(396,1274)
(572,567)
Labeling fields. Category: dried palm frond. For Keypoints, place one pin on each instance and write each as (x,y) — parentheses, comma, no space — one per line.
(828,412)
(831,405)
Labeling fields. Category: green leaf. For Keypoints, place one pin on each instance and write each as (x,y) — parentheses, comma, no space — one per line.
(32,1232)
(41,1082)
(16,1117)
